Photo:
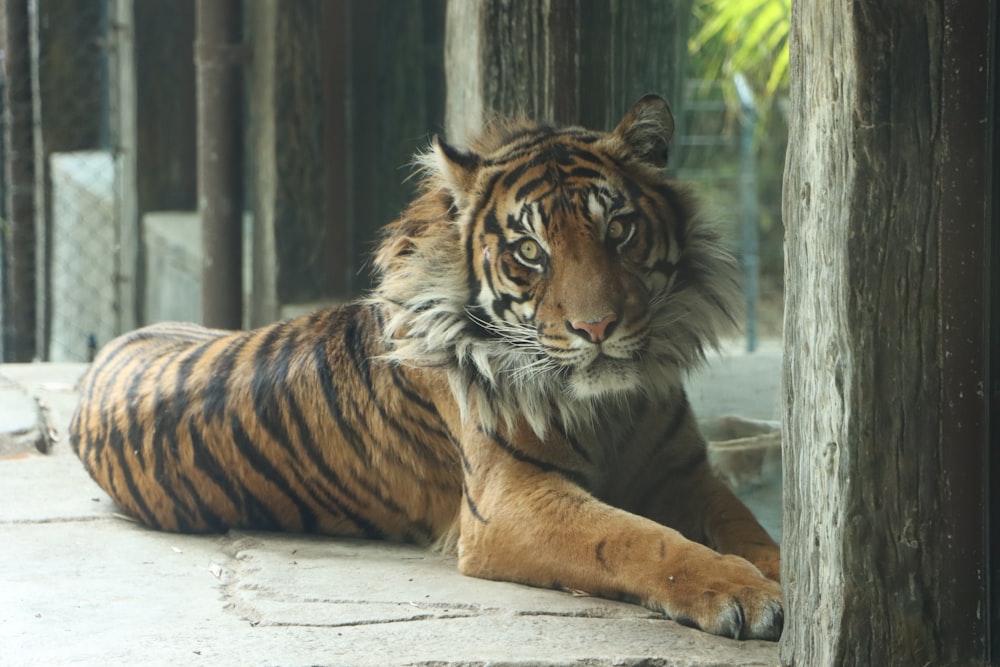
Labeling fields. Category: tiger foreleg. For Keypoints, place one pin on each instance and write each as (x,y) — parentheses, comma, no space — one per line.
(671,482)
(731,527)
(526,521)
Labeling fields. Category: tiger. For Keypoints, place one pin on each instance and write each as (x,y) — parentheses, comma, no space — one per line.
(510,391)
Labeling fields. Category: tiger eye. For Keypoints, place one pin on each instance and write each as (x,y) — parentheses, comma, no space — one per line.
(529,250)
(616,230)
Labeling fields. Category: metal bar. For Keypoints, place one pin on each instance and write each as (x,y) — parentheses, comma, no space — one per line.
(749,214)
(218,52)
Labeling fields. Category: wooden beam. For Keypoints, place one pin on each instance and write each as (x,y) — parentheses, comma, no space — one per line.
(884,205)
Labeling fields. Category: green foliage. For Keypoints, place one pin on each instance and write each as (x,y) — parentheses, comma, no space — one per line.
(748,37)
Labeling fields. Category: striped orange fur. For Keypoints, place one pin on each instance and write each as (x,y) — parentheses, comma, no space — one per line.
(512,388)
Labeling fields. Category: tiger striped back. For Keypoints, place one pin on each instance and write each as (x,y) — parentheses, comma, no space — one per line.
(196,430)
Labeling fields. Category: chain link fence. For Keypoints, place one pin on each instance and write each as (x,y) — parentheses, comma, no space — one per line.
(58,68)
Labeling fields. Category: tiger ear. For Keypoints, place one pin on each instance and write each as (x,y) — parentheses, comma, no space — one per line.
(454,168)
(646,130)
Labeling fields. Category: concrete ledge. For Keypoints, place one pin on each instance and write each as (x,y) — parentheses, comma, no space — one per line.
(82,586)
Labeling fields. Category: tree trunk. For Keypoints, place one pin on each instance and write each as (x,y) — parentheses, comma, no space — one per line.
(884,197)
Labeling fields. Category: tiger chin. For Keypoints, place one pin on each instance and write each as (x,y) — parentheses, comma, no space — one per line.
(512,387)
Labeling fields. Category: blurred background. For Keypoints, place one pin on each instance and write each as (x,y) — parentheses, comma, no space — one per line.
(231,162)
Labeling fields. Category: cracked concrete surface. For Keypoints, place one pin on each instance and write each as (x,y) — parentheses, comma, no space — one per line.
(80,585)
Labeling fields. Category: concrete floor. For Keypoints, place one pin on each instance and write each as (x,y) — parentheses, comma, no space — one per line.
(81,586)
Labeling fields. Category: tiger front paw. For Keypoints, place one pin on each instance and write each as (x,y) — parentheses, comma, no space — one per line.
(730,598)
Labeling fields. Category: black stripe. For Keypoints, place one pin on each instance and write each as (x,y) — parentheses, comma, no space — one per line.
(349,434)
(665,267)
(169,417)
(531,186)
(215,395)
(209,519)
(472,505)
(514,174)
(103,440)
(470,240)
(491,224)
(268,386)
(259,515)
(327,476)
(545,466)
(522,143)
(266,469)
(361,358)
(574,443)
(599,555)
(136,433)
(116,449)
(330,394)
(584,173)
(108,377)
(516,280)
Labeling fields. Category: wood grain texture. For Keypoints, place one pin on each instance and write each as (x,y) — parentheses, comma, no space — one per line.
(883,551)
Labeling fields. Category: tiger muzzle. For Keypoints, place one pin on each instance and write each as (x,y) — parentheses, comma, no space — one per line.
(594,331)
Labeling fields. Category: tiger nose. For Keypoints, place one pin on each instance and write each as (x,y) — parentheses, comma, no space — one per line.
(595,332)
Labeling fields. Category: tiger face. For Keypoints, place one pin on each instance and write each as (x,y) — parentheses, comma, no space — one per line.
(567,270)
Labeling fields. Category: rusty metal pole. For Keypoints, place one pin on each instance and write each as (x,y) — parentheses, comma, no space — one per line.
(219,52)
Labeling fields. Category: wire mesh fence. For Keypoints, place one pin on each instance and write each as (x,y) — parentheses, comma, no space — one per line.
(58,109)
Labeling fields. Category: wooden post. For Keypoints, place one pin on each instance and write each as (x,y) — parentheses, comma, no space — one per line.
(512,58)
(18,226)
(573,62)
(122,105)
(884,370)
(219,53)
(166,163)
(629,48)
(396,87)
(341,96)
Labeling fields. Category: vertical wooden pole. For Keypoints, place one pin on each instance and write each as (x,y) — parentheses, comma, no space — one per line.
(884,365)
(123,141)
(569,62)
(218,27)
(166,154)
(19,225)
(338,205)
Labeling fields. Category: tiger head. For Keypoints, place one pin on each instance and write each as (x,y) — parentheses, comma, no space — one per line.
(552,267)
